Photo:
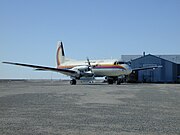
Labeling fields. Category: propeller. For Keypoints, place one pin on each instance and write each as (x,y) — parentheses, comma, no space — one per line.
(89,64)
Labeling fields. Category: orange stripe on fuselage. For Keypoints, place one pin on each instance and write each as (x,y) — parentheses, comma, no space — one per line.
(96,66)
(109,66)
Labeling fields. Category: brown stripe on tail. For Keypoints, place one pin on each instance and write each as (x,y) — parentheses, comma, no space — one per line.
(60,55)
(57,56)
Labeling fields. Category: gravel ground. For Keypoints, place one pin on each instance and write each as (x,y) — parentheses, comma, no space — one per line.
(57,108)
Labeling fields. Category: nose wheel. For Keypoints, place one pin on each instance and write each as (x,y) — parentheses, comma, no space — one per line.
(73,82)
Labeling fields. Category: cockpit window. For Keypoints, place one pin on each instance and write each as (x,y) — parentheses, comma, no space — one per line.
(119,62)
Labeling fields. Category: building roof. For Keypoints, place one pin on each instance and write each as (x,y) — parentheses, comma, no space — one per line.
(130,57)
(171,58)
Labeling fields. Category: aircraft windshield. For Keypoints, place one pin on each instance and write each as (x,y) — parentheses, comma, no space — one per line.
(119,62)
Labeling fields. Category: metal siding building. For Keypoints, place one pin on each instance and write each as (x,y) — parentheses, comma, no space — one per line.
(168,73)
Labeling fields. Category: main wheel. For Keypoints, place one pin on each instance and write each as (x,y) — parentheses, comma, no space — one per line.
(110,81)
(73,82)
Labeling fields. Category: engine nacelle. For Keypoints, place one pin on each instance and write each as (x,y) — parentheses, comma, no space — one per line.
(83,71)
(81,68)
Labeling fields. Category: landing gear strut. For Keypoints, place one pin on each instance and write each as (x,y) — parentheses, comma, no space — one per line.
(73,82)
(110,81)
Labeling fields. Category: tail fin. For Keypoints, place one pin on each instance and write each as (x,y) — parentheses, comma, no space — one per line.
(60,55)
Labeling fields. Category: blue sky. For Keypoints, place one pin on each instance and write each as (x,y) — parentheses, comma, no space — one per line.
(29,31)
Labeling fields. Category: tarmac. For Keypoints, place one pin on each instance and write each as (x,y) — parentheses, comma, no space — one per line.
(43,107)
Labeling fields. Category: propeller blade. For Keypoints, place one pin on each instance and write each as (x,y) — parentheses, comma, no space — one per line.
(89,64)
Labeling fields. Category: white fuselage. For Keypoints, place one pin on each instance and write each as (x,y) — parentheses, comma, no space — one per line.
(100,68)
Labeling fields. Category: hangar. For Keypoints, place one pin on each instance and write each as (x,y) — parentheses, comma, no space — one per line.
(169,73)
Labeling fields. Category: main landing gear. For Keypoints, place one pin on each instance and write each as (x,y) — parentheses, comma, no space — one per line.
(118,81)
(110,81)
(73,82)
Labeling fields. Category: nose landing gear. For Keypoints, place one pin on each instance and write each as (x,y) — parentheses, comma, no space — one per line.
(119,81)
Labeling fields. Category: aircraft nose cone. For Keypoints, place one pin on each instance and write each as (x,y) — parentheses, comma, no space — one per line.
(128,69)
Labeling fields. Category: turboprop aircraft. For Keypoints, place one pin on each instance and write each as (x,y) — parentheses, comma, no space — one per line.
(112,69)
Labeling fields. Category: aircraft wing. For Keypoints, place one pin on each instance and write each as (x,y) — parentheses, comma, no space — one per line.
(43,68)
(145,68)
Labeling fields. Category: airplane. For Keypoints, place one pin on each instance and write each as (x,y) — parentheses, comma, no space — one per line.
(112,69)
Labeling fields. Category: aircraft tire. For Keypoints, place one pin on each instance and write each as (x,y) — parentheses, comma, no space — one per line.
(110,81)
(73,82)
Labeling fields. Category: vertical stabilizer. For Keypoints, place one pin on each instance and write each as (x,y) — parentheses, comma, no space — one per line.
(60,56)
